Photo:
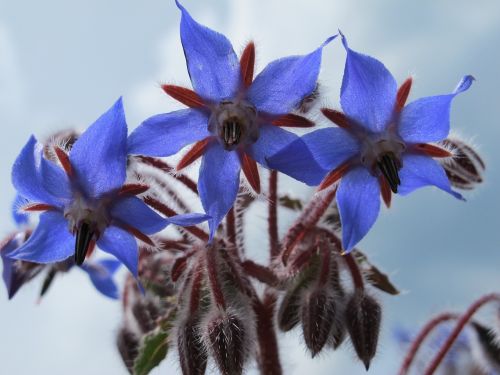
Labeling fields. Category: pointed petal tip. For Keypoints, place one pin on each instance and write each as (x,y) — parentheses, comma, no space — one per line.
(464,84)
(179,5)
(344,40)
(329,39)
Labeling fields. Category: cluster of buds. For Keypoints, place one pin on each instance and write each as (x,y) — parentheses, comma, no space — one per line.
(220,304)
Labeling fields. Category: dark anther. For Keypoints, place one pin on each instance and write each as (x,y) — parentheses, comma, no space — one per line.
(231,132)
(47,282)
(389,168)
(84,235)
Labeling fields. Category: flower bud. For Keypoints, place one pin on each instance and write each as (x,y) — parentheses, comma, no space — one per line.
(192,353)
(466,169)
(288,313)
(337,336)
(362,317)
(143,316)
(318,312)
(128,346)
(226,338)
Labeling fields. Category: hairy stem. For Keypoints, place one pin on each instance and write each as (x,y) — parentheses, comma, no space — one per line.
(268,353)
(357,277)
(273,214)
(462,322)
(424,333)
(163,166)
(309,217)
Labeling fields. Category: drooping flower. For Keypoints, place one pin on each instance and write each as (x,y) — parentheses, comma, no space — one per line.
(84,199)
(16,273)
(381,145)
(235,120)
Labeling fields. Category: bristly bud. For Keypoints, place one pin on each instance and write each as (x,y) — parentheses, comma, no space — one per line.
(144,314)
(318,316)
(226,338)
(128,346)
(489,346)
(289,311)
(466,169)
(362,317)
(192,354)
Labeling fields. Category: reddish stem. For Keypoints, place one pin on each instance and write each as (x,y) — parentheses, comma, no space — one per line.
(161,165)
(196,287)
(462,322)
(424,333)
(273,214)
(231,226)
(262,273)
(307,220)
(214,278)
(268,353)
(357,278)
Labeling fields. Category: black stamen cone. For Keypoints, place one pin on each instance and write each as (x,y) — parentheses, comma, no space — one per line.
(84,235)
(389,168)
(232,132)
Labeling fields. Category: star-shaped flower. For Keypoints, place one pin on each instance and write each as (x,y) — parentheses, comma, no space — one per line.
(84,198)
(16,273)
(381,144)
(235,120)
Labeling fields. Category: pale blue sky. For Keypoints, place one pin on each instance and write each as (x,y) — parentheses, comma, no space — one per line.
(63,63)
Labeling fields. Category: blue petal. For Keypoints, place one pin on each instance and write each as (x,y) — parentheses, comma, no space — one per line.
(297,161)
(101,275)
(271,140)
(11,280)
(419,171)
(428,119)
(122,245)
(331,146)
(99,156)
(166,134)
(358,198)
(26,176)
(218,183)
(188,220)
(50,242)
(134,212)
(282,85)
(55,180)
(19,217)
(111,265)
(212,64)
(368,92)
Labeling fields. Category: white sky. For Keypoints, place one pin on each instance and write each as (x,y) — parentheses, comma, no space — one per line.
(63,63)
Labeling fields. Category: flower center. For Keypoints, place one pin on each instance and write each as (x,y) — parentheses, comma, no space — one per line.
(87,220)
(234,123)
(384,156)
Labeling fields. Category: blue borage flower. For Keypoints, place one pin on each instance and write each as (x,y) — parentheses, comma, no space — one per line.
(16,272)
(380,146)
(15,275)
(86,202)
(234,119)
